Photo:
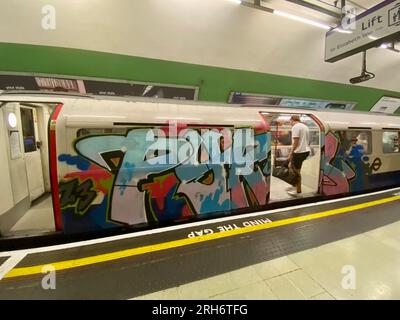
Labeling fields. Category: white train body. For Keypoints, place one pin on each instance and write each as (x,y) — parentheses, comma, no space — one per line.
(111,163)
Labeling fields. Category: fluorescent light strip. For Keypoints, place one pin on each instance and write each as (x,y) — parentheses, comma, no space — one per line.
(343,30)
(304,20)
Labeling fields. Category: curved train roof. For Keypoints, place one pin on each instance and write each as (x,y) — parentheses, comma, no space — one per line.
(343,120)
(338,119)
(144,110)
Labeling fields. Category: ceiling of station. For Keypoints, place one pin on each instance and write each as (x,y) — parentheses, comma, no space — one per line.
(360,4)
(366,3)
(205,32)
(328,11)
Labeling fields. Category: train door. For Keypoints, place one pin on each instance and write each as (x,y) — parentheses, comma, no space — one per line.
(32,153)
(26,208)
(282,175)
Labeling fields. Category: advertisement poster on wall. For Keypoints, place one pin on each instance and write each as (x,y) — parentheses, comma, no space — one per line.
(387,105)
(97,87)
(259,99)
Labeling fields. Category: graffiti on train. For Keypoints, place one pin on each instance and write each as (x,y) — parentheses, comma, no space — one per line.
(345,167)
(160,174)
(77,195)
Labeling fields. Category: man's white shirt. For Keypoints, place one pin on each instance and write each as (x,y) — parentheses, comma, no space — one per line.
(301,131)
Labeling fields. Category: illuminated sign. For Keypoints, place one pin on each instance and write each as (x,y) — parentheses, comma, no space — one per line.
(386,105)
(371,28)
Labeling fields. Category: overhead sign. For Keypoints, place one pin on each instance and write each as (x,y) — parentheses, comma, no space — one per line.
(387,105)
(372,27)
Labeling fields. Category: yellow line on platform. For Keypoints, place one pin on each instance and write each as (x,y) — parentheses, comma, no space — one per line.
(80,262)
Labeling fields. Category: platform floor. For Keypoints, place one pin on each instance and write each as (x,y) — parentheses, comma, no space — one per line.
(314,274)
(301,252)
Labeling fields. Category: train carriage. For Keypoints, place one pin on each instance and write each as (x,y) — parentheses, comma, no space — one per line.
(108,163)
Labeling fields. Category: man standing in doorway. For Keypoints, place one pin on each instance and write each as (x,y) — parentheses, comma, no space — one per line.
(299,152)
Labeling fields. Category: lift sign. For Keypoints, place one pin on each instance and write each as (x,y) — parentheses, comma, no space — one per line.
(370,28)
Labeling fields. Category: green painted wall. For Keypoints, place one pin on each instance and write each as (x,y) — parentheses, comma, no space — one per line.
(215,83)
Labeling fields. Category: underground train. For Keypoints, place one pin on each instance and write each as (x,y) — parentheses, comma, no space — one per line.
(76,164)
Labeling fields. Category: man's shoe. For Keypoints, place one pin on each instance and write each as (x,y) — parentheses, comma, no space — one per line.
(293,193)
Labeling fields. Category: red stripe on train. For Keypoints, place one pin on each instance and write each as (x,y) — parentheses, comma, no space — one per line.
(53,168)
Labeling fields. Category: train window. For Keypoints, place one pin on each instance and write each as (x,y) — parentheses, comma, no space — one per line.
(28,129)
(91,131)
(284,137)
(281,130)
(390,141)
(354,142)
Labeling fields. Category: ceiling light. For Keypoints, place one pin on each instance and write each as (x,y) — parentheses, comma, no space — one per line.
(236,1)
(341,30)
(301,19)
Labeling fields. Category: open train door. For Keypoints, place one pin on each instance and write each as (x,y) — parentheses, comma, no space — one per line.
(32,145)
(26,209)
(281,143)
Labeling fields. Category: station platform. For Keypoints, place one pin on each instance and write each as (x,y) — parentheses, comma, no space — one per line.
(301,252)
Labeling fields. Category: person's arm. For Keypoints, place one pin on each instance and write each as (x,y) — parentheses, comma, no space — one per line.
(294,147)
(295,141)
(348,151)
